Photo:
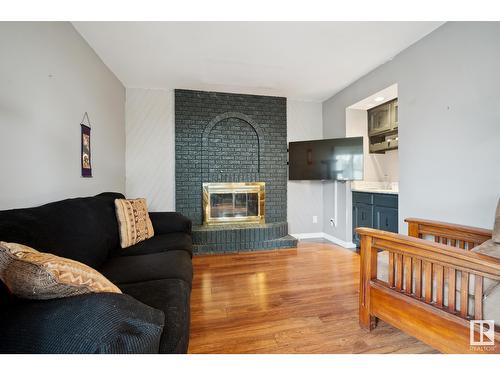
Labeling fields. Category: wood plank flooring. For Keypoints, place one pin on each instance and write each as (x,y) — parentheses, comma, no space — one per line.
(302,300)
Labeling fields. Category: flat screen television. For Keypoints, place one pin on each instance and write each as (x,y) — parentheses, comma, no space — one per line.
(339,159)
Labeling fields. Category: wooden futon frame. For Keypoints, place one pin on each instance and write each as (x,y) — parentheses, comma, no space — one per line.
(402,304)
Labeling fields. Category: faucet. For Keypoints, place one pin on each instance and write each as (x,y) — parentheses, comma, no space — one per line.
(387,184)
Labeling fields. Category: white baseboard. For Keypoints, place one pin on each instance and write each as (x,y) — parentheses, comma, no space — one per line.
(337,241)
(326,236)
(301,236)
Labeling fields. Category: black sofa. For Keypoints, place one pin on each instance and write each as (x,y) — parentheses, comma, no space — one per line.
(151,316)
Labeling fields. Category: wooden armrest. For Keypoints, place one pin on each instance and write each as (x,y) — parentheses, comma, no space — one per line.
(451,226)
(462,236)
(436,253)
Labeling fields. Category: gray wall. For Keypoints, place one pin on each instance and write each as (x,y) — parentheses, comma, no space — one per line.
(449,124)
(305,198)
(49,77)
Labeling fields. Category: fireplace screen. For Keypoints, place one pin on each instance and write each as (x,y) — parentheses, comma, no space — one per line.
(233,202)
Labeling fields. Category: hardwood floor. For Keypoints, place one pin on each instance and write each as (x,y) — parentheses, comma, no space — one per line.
(302,300)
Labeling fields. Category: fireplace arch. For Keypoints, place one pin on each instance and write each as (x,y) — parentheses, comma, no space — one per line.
(228,129)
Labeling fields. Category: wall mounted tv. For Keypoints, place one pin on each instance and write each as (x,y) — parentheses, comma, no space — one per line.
(339,159)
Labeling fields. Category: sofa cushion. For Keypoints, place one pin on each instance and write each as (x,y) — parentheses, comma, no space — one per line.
(490,248)
(90,323)
(168,222)
(491,306)
(496,227)
(172,297)
(31,274)
(174,264)
(133,221)
(82,229)
(158,244)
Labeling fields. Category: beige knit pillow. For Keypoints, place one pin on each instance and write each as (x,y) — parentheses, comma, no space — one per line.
(28,273)
(496,228)
(133,220)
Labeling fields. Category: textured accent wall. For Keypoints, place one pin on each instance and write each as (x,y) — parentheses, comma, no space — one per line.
(222,137)
(150,162)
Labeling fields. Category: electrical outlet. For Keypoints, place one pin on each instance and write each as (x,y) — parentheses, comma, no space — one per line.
(315,219)
(332,223)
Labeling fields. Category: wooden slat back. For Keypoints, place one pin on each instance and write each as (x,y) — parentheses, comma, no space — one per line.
(452,278)
(438,271)
(399,272)
(428,282)
(408,270)
(448,234)
(464,294)
(391,270)
(418,278)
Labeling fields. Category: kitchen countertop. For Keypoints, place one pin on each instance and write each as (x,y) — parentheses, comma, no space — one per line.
(376,191)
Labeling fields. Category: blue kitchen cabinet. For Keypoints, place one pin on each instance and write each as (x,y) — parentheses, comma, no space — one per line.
(374,210)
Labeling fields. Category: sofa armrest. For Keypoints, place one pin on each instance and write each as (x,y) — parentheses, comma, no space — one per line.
(168,222)
(90,323)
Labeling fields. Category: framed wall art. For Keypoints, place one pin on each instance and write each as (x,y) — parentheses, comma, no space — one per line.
(86,155)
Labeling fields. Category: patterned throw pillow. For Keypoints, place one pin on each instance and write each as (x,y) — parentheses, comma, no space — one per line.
(133,220)
(28,273)
(496,228)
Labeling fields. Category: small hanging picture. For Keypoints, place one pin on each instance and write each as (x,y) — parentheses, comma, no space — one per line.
(86,164)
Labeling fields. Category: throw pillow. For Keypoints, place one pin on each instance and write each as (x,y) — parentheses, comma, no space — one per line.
(133,221)
(496,228)
(28,273)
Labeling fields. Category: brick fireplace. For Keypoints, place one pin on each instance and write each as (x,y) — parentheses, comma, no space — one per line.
(233,143)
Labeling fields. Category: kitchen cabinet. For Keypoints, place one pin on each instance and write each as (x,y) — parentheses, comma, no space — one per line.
(374,210)
(383,122)
(394,114)
(379,119)
(385,218)
(362,216)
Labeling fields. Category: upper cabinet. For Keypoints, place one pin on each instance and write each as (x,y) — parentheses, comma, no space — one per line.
(383,127)
(379,119)
(394,114)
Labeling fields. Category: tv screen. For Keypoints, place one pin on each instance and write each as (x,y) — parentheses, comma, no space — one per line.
(338,159)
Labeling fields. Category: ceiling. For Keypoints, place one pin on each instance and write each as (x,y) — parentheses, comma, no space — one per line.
(378,98)
(299,60)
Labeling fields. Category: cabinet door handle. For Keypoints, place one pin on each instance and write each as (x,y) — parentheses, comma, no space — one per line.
(362,216)
(386,221)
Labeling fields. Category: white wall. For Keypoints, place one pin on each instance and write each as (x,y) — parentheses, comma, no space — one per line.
(376,166)
(49,77)
(449,133)
(150,155)
(305,198)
